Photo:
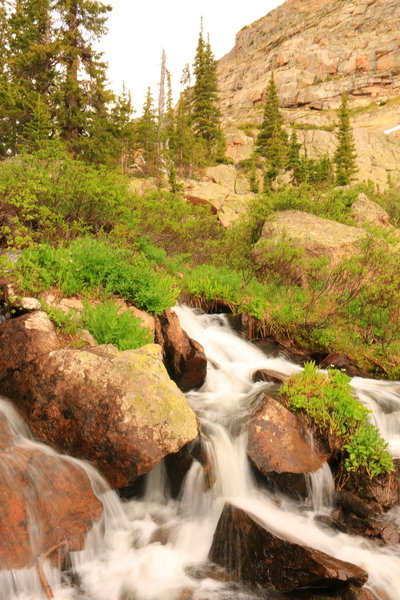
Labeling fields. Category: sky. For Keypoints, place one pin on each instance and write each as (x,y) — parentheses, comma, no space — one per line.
(139,31)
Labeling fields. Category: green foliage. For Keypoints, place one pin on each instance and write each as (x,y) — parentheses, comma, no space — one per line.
(206,114)
(48,195)
(345,155)
(214,283)
(168,221)
(326,398)
(272,139)
(88,266)
(109,326)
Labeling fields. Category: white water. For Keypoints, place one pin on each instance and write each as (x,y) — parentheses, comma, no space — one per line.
(155,549)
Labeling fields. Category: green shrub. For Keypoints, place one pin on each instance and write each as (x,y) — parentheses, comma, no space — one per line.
(49,195)
(327,399)
(168,221)
(89,266)
(108,326)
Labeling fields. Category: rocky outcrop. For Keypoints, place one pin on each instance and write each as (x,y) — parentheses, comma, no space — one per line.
(36,517)
(281,448)
(366,212)
(184,358)
(317,50)
(316,236)
(251,553)
(120,410)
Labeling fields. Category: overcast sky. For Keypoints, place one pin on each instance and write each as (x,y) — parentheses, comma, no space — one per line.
(138,32)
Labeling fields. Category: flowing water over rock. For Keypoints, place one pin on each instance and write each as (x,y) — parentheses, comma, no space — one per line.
(156,548)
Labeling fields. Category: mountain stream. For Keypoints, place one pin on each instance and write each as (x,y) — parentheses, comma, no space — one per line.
(156,548)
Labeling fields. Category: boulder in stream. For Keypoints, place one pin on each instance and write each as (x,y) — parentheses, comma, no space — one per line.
(184,357)
(119,410)
(280,448)
(249,552)
(47,504)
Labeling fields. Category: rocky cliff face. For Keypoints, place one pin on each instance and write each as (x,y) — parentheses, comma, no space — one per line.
(319,49)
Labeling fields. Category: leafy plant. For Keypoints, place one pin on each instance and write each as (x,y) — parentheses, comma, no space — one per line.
(327,399)
(109,326)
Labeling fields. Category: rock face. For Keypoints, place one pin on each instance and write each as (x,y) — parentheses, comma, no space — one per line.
(120,410)
(65,510)
(318,237)
(184,358)
(367,212)
(318,49)
(252,553)
(278,446)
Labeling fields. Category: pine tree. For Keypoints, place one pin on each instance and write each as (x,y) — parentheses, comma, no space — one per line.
(147,134)
(206,115)
(345,155)
(83,76)
(293,157)
(183,143)
(272,139)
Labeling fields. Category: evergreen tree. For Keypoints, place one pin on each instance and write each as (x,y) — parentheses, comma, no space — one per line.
(183,143)
(147,134)
(345,155)
(293,157)
(272,139)
(206,115)
(83,76)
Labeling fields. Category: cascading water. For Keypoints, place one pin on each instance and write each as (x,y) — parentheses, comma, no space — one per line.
(157,548)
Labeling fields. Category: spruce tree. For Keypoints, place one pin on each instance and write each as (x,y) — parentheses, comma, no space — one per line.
(293,157)
(272,139)
(345,155)
(83,75)
(147,134)
(206,115)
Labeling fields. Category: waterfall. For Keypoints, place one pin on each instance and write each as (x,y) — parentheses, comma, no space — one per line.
(156,548)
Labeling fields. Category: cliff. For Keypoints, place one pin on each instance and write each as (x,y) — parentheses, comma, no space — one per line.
(319,49)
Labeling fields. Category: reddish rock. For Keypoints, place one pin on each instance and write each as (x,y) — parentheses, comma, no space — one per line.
(184,358)
(278,445)
(25,339)
(270,375)
(45,501)
(119,410)
(252,553)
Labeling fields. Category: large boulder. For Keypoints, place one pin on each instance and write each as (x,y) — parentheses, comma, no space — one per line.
(46,502)
(318,237)
(120,410)
(184,357)
(24,339)
(281,448)
(251,553)
(366,212)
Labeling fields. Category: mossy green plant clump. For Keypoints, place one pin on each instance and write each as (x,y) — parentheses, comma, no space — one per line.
(327,399)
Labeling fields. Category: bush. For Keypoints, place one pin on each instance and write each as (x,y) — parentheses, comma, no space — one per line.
(327,399)
(108,326)
(168,221)
(89,266)
(49,195)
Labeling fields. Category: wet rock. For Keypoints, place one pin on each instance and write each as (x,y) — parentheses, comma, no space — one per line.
(252,553)
(341,362)
(184,358)
(270,375)
(25,339)
(280,448)
(39,487)
(120,410)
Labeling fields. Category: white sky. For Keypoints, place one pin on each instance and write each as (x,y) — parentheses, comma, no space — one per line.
(138,32)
